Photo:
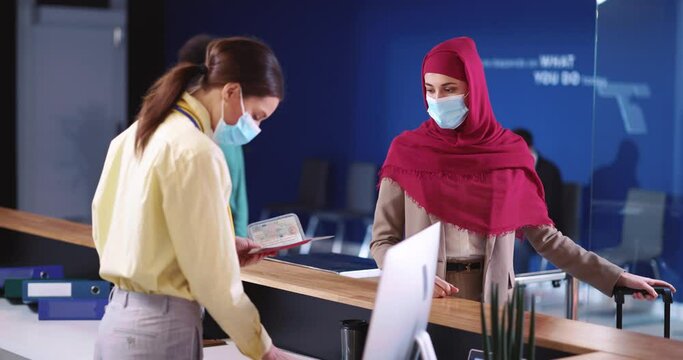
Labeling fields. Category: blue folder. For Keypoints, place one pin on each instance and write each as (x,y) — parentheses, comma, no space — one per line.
(71,309)
(34,290)
(31,272)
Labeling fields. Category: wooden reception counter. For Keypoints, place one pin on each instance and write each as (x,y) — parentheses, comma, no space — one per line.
(567,336)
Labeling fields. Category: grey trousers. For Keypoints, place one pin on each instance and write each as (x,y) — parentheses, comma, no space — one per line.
(141,326)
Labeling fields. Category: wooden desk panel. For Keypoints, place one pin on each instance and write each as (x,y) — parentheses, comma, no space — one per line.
(598,356)
(551,332)
(47,227)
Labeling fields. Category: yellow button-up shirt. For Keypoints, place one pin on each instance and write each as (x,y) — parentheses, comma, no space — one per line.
(161,223)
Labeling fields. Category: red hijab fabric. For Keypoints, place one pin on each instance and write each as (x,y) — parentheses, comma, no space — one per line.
(480,176)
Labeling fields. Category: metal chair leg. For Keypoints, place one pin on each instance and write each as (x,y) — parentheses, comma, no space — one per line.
(339,237)
(655,268)
(364,251)
(311,230)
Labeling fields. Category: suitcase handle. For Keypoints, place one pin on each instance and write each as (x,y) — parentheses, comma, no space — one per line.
(620,292)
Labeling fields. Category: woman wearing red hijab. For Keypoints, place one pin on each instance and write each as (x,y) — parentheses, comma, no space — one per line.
(461,167)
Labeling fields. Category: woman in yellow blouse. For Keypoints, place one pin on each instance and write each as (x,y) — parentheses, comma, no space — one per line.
(161,219)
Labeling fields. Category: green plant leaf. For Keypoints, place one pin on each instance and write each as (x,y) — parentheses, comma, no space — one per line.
(519,345)
(484,333)
(510,330)
(505,332)
(531,351)
(495,330)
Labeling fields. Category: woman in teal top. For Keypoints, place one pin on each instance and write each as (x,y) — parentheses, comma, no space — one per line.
(234,156)
(194,51)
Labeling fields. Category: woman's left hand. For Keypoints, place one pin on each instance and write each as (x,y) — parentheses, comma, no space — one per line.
(639,282)
(243,246)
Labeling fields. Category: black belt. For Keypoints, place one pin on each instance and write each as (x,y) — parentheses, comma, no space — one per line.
(459,267)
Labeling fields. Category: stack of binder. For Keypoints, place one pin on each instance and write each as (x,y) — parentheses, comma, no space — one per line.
(31,272)
(57,298)
(11,278)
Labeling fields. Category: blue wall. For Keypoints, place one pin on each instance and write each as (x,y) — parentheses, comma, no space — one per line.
(353,76)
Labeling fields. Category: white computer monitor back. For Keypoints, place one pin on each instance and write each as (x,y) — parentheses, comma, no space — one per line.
(404,296)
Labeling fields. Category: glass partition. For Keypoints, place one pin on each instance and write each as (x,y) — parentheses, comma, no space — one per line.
(634,210)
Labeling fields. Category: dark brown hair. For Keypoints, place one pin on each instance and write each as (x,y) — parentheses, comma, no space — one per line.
(194,49)
(246,61)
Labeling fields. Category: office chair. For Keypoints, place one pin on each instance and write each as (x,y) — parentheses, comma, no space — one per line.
(642,237)
(361,194)
(312,195)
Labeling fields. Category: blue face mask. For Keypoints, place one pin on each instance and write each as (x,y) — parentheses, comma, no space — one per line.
(448,112)
(244,131)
